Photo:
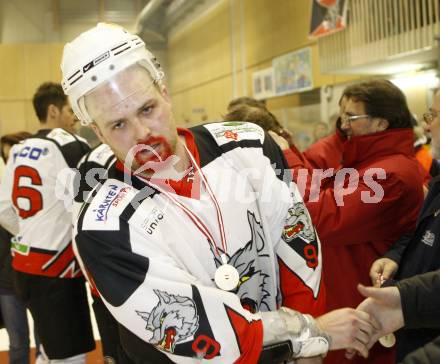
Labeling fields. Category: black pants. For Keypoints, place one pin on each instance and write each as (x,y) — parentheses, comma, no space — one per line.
(109,331)
(60,311)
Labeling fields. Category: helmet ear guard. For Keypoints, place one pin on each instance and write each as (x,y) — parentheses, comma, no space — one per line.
(95,56)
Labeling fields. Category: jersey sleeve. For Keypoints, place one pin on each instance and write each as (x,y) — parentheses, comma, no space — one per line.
(72,147)
(298,247)
(156,298)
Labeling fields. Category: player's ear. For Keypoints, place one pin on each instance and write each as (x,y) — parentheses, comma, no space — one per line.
(53,111)
(165,94)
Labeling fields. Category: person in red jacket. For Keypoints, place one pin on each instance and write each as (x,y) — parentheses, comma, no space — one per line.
(361,207)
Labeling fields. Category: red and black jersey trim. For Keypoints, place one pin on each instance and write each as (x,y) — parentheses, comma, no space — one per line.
(49,263)
(248,335)
(296,294)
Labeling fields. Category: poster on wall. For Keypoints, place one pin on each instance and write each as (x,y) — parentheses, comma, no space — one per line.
(293,72)
(328,16)
(263,84)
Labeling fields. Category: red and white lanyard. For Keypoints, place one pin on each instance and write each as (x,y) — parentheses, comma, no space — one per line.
(194,218)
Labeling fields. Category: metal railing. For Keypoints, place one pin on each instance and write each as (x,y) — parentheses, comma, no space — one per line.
(380,30)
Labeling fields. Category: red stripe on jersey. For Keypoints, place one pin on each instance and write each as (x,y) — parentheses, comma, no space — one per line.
(297,295)
(92,284)
(38,263)
(249,336)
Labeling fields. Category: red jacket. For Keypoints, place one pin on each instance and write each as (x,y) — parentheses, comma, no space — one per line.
(357,233)
(326,152)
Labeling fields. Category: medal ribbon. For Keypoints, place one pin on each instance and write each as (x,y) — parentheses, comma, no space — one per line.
(194,218)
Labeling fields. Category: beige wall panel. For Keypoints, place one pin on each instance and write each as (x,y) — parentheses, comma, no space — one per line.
(319,79)
(12,85)
(32,123)
(42,64)
(28,66)
(12,117)
(275,27)
(417,100)
(282,102)
(32,17)
(37,67)
(212,98)
(201,53)
(55,54)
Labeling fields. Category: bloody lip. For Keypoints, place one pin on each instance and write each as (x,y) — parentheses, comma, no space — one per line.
(152,149)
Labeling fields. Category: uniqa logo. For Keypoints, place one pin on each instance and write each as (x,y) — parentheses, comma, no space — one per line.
(104,206)
(152,221)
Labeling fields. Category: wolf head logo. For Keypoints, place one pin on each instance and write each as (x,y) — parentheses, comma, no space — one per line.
(173,320)
(298,224)
(252,278)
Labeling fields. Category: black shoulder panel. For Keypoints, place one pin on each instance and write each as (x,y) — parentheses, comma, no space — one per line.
(116,270)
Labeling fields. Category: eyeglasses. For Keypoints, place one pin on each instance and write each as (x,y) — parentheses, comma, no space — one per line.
(345,118)
(429,116)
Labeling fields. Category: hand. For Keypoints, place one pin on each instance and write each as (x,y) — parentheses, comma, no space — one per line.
(381,270)
(348,329)
(282,143)
(384,306)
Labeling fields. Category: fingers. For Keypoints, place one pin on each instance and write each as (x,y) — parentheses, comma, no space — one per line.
(382,270)
(363,320)
(360,348)
(362,332)
(363,337)
(376,272)
(367,328)
(388,271)
(350,353)
(377,326)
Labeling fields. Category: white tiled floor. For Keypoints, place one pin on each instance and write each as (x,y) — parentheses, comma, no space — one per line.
(4,340)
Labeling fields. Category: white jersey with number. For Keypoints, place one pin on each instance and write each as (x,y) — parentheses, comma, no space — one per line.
(34,185)
(154,268)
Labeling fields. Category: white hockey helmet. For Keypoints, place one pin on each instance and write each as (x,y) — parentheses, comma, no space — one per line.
(97,55)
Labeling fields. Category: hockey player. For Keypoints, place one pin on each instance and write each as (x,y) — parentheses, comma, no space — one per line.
(47,275)
(195,243)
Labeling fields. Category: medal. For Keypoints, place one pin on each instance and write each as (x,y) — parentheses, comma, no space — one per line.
(226,277)
(388,341)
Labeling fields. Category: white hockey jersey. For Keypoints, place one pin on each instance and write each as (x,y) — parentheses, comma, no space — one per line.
(154,268)
(30,182)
